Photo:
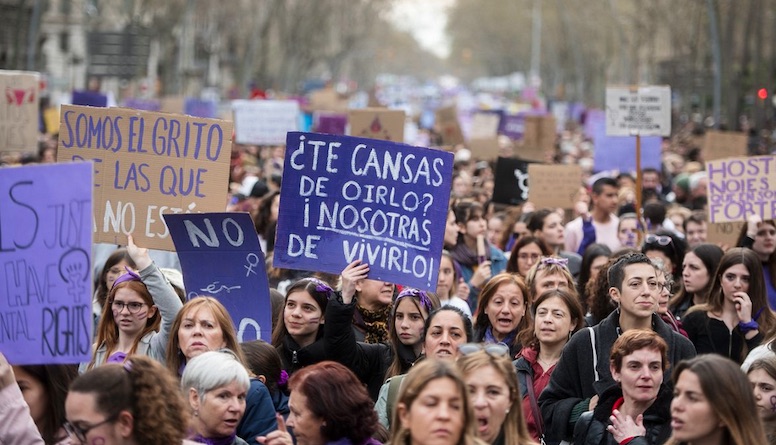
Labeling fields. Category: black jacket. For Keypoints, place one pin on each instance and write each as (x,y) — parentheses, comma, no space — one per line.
(295,357)
(573,381)
(591,426)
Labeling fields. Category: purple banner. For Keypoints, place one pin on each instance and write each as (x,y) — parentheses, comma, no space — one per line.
(200,108)
(45,270)
(330,123)
(221,258)
(345,198)
(512,125)
(143,104)
(619,152)
(90,99)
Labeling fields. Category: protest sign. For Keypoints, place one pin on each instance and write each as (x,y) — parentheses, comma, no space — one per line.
(19,111)
(377,123)
(147,164)
(200,108)
(485,148)
(539,132)
(740,187)
(143,104)
(554,185)
(221,258)
(484,125)
(172,104)
(327,99)
(511,181)
(330,123)
(345,198)
(264,122)
(724,144)
(641,111)
(619,153)
(447,125)
(725,234)
(90,99)
(45,276)
(512,125)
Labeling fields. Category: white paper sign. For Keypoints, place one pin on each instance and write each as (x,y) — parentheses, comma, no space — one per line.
(642,111)
(264,122)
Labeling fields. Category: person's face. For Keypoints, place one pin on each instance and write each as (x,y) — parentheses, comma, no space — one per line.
(606,200)
(200,332)
(491,399)
(527,257)
(553,323)
(552,230)
(544,282)
(34,394)
(495,231)
(306,425)
(660,255)
(302,316)
(696,233)
(218,411)
(663,293)
(735,279)
(641,374)
(474,227)
(409,320)
(650,180)
(445,333)
(446,278)
(374,292)
(693,419)
(695,276)
(628,232)
(505,310)
(114,272)
(130,324)
(436,416)
(765,240)
(596,265)
(81,412)
(638,297)
(764,387)
(462,187)
(520,229)
(451,230)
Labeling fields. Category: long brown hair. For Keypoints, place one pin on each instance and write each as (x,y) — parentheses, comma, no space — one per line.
(482,322)
(771,259)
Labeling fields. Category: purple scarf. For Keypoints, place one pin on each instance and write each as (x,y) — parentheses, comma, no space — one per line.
(228,440)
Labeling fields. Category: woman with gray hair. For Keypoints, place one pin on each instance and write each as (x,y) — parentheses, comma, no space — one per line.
(215,384)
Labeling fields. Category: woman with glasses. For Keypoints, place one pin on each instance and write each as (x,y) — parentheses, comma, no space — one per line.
(526,252)
(760,236)
(736,317)
(500,314)
(547,225)
(698,268)
(138,314)
(134,403)
(493,394)
(664,287)
(667,247)
(557,314)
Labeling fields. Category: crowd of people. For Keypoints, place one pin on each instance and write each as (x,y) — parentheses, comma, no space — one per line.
(602,323)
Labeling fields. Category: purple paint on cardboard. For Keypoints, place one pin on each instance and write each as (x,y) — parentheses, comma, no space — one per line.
(45,269)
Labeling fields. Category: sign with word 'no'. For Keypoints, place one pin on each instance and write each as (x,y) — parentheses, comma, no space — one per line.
(345,198)
(221,258)
(740,187)
(45,269)
(638,111)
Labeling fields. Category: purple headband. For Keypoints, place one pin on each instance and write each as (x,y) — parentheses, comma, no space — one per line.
(322,287)
(129,276)
(549,261)
(417,293)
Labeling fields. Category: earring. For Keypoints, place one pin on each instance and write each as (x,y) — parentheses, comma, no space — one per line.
(196,413)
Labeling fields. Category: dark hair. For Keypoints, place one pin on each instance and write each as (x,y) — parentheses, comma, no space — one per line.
(537,219)
(592,252)
(261,358)
(600,183)
(311,286)
(697,217)
(263,214)
(56,380)
(143,388)
(276,299)
(635,339)
(528,337)
(401,352)
(616,272)
(710,255)
(467,322)
(466,210)
(674,250)
(116,257)
(335,395)
(771,268)
(522,242)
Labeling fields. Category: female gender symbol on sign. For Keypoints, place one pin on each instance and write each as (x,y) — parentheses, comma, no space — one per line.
(253,261)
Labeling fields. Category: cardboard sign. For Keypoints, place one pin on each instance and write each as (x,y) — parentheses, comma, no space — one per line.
(345,198)
(484,126)
(540,132)
(725,234)
(377,123)
(45,276)
(328,99)
(721,144)
(207,109)
(264,122)
(143,104)
(147,164)
(739,187)
(485,148)
(19,111)
(330,123)
(554,185)
(642,111)
(221,258)
(447,125)
(172,104)
(511,181)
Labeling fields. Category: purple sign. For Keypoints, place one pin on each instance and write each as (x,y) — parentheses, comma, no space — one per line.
(345,198)
(512,126)
(221,258)
(619,152)
(90,99)
(45,269)
(200,108)
(330,123)
(143,104)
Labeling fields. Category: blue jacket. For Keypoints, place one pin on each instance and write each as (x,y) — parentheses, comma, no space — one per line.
(498,264)
(259,418)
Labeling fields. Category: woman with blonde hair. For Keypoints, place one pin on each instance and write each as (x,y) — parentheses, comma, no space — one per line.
(501,312)
(433,407)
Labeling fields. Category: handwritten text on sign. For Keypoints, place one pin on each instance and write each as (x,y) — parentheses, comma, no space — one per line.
(740,187)
(346,198)
(221,258)
(147,164)
(19,111)
(45,272)
(643,111)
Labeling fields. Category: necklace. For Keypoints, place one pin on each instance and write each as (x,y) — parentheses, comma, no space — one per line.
(548,364)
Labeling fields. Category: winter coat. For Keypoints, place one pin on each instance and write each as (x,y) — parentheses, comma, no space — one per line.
(259,417)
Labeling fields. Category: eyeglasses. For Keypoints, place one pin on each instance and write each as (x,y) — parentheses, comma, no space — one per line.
(79,433)
(493,349)
(133,307)
(668,286)
(528,256)
(661,240)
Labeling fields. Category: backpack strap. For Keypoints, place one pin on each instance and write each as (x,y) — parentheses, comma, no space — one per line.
(394,385)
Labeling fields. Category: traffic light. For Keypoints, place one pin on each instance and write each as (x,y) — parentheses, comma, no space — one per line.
(762,93)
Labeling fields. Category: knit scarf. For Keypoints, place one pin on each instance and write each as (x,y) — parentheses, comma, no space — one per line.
(466,256)
(374,323)
(508,340)
(228,440)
